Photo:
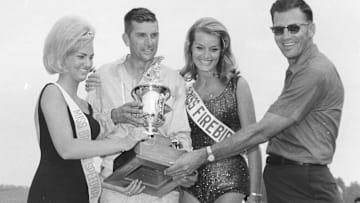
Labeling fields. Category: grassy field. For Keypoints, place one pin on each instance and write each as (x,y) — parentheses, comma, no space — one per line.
(13,195)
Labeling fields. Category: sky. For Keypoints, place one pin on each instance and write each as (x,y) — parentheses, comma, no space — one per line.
(25,24)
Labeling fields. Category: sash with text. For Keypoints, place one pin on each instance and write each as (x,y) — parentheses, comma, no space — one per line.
(198,112)
(83,132)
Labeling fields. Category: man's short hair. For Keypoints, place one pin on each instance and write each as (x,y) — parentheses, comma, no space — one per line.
(285,5)
(138,15)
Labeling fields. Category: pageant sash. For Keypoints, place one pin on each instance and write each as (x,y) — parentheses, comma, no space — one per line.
(208,123)
(82,132)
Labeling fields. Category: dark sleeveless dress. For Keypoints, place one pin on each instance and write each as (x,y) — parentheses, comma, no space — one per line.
(226,175)
(57,180)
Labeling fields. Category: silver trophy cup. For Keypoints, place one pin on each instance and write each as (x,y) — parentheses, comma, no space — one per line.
(153,97)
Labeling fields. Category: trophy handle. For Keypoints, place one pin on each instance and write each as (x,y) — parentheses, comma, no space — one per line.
(167,96)
(133,94)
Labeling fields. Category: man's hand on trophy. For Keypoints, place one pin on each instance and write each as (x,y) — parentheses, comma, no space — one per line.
(92,82)
(188,180)
(187,163)
(130,112)
(134,188)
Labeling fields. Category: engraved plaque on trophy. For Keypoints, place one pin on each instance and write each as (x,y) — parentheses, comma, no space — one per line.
(146,162)
(148,159)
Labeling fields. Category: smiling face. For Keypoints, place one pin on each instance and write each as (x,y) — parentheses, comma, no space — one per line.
(205,51)
(80,62)
(293,45)
(143,40)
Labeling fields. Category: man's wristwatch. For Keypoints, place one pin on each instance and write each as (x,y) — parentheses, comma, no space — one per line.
(210,154)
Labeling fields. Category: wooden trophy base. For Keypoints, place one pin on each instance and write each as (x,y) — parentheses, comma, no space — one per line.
(146,162)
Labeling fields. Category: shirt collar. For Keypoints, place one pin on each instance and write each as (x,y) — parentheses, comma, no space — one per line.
(122,60)
(309,51)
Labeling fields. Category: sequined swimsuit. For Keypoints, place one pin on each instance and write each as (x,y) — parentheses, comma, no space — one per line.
(226,175)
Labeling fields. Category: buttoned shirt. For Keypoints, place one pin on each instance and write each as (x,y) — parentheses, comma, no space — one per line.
(115,90)
(313,96)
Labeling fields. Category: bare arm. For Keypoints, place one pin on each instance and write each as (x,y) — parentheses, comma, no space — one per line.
(246,113)
(246,138)
(58,121)
(250,136)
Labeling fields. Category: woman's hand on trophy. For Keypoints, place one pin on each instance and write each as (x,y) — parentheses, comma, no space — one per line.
(254,199)
(135,136)
(188,180)
(138,134)
(124,143)
(92,82)
(134,188)
(128,113)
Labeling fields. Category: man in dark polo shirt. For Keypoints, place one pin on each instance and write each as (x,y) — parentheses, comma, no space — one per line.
(301,125)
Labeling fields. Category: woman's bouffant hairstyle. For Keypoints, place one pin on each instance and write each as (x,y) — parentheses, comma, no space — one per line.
(225,68)
(68,34)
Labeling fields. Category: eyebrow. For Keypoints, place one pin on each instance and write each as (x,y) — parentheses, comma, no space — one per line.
(198,43)
(84,53)
(146,33)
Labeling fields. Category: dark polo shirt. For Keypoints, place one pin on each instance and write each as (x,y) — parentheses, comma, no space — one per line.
(313,97)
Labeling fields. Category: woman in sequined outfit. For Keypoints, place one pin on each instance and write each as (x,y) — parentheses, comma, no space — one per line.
(210,63)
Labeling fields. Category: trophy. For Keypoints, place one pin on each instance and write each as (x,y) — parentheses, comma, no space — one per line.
(153,97)
(148,159)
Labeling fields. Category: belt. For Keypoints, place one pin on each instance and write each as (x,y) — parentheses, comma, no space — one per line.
(273,159)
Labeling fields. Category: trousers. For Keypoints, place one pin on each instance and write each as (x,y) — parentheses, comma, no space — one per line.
(300,184)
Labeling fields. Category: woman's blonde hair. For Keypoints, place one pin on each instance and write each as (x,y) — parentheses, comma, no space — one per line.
(225,68)
(68,34)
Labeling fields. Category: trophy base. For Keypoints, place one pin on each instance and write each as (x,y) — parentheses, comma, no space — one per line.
(146,162)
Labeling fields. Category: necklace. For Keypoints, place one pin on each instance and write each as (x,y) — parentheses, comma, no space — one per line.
(207,94)
(211,95)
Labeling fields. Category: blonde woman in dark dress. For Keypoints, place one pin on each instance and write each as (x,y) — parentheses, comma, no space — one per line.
(65,124)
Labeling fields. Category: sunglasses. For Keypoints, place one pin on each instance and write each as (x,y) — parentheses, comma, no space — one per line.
(292,28)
